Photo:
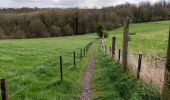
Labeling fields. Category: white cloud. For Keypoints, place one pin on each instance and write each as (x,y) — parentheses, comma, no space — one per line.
(67,3)
(56,1)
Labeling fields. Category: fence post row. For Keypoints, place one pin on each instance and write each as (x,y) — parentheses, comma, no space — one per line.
(74,58)
(139,66)
(113,46)
(61,68)
(125,43)
(4,89)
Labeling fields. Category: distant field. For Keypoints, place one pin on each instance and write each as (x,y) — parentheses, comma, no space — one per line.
(151,38)
(31,67)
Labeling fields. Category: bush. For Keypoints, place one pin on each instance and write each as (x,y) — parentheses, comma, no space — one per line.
(106,34)
(55,31)
(101,31)
(67,30)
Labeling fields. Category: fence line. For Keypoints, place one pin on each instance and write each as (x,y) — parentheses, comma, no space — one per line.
(147,72)
(74,57)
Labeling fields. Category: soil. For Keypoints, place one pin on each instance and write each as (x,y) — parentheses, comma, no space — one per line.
(87,88)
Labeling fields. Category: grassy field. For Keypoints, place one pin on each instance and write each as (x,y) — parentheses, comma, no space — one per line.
(150,38)
(31,67)
(112,83)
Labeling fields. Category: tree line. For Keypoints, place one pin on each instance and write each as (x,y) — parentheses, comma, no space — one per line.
(52,22)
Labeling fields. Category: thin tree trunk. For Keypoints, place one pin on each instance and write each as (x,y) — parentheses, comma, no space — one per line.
(166,86)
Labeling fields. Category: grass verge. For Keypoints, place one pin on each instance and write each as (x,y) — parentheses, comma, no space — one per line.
(111,83)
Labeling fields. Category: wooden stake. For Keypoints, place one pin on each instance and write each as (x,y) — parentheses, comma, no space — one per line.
(74,58)
(61,68)
(139,66)
(81,54)
(119,55)
(4,89)
(113,46)
(125,43)
(84,51)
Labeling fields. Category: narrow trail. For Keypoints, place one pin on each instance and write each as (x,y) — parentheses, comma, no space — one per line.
(87,89)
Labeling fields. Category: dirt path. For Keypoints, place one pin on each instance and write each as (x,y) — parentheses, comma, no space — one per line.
(87,91)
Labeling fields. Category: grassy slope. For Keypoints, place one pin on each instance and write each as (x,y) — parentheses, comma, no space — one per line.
(150,38)
(111,83)
(35,63)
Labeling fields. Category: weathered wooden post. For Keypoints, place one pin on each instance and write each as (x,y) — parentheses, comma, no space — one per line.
(61,68)
(105,48)
(113,46)
(4,89)
(125,43)
(166,87)
(119,55)
(139,66)
(74,58)
(81,54)
(84,51)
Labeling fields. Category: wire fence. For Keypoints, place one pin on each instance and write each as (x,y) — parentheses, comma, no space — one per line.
(21,82)
(152,66)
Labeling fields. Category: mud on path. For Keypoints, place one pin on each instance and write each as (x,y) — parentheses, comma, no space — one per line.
(86,93)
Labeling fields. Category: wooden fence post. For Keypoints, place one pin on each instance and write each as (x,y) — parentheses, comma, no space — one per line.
(61,68)
(113,46)
(81,54)
(74,58)
(84,51)
(139,66)
(4,89)
(119,55)
(125,43)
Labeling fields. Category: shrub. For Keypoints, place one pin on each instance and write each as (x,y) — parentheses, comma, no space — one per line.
(67,30)
(106,34)
(101,32)
(55,31)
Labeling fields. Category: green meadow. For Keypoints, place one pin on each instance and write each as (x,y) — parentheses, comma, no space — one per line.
(150,38)
(31,67)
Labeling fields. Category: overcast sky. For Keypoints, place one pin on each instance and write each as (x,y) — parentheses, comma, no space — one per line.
(65,3)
